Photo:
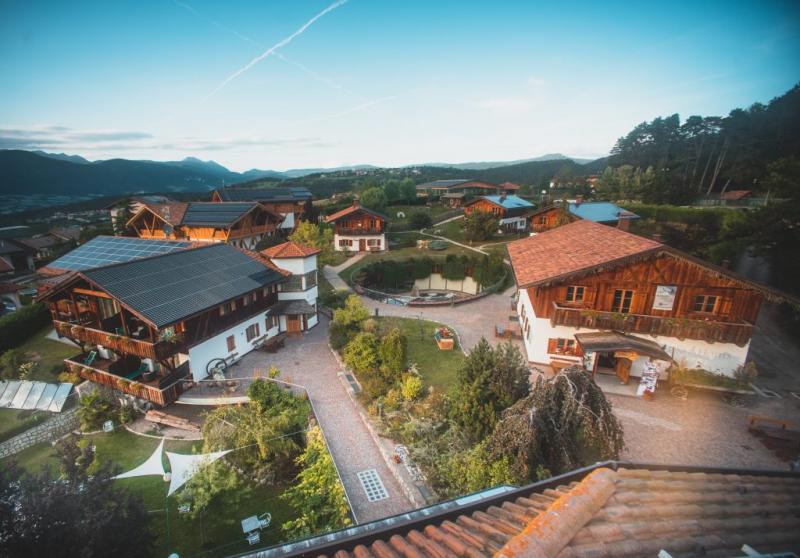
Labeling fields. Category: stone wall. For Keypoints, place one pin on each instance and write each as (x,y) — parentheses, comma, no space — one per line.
(55,427)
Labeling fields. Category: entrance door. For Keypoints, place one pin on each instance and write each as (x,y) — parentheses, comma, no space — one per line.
(293,325)
(623,369)
(362,245)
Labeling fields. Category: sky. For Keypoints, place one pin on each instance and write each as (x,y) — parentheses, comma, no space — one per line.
(279,84)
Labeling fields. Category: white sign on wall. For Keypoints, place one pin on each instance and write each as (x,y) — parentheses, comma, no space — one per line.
(665,297)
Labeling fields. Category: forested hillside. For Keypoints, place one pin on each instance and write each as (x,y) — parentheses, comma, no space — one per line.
(666,161)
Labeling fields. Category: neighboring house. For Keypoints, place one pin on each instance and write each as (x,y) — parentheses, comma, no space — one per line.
(735,195)
(146,325)
(15,257)
(132,205)
(438,188)
(294,203)
(241,224)
(607,510)
(67,234)
(585,278)
(512,211)
(359,229)
(607,213)
(298,295)
(43,246)
(510,187)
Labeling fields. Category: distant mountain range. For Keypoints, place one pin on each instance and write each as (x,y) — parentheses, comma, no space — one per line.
(38,172)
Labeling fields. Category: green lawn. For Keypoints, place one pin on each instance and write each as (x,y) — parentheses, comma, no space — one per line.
(13,421)
(454,231)
(438,368)
(393,210)
(401,254)
(48,354)
(218,534)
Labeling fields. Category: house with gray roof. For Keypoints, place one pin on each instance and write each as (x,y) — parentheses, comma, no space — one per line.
(150,326)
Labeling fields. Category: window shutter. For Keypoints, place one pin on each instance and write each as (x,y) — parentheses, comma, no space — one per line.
(551,346)
(725,305)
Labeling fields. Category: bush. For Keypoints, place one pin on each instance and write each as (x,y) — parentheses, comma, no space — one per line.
(361,354)
(17,327)
(94,409)
(126,414)
(420,220)
(454,267)
(338,336)
(10,362)
(333,299)
(411,387)
(352,314)
(746,375)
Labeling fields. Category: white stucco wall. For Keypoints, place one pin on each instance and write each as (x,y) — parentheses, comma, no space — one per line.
(435,282)
(355,239)
(217,347)
(721,358)
(516,222)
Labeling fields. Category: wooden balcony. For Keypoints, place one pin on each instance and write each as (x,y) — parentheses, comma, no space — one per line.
(358,231)
(738,333)
(162,390)
(119,343)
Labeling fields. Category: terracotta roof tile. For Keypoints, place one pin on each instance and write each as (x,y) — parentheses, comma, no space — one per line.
(352,209)
(290,250)
(265,260)
(573,247)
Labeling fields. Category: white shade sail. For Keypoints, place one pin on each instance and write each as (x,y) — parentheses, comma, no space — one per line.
(153,465)
(185,466)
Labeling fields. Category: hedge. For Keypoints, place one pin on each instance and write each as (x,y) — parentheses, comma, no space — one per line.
(17,327)
(394,274)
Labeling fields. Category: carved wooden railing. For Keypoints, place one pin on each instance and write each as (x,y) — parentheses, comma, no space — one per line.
(349,231)
(159,350)
(738,333)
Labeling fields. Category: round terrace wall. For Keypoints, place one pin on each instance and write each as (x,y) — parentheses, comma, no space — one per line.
(430,281)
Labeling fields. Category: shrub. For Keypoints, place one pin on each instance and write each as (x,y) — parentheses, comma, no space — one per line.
(17,327)
(411,387)
(746,375)
(420,220)
(454,267)
(392,352)
(352,314)
(126,414)
(94,409)
(10,362)
(338,335)
(421,267)
(361,354)
(69,377)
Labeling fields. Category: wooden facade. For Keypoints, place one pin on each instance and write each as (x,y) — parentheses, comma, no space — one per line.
(707,306)
(300,208)
(256,223)
(486,206)
(88,316)
(359,223)
(549,218)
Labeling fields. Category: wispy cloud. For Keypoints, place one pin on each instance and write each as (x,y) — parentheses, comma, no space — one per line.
(63,138)
(280,44)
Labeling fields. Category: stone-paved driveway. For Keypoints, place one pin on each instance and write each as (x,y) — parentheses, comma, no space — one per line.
(308,361)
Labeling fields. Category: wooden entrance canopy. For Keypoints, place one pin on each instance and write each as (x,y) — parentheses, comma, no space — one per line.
(615,341)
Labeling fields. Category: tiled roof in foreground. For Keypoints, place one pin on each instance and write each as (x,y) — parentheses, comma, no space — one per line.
(610,510)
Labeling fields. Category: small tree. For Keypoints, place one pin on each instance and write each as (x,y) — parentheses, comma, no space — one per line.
(361,354)
(475,469)
(10,361)
(374,198)
(352,314)
(420,220)
(393,352)
(315,236)
(411,388)
(510,378)
(565,423)
(480,225)
(212,483)
(317,493)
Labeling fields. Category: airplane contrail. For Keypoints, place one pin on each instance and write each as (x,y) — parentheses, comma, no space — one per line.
(275,47)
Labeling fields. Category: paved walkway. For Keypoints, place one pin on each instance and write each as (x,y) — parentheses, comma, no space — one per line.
(308,361)
(331,272)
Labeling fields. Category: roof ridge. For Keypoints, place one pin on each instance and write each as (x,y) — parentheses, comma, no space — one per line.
(551,531)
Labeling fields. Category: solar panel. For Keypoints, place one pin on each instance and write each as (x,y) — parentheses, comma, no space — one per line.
(107,250)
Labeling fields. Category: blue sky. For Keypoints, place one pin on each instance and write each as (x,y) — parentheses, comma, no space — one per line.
(376,81)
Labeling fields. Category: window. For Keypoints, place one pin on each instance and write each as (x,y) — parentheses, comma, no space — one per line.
(563,347)
(374,242)
(311,279)
(345,242)
(705,303)
(622,301)
(252,332)
(271,322)
(231,343)
(575,294)
(227,308)
(295,283)
(543,220)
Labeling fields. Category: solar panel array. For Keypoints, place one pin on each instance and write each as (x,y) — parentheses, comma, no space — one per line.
(107,250)
(215,214)
(22,394)
(172,287)
(292,193)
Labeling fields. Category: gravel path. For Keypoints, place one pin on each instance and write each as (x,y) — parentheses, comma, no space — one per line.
(308,361)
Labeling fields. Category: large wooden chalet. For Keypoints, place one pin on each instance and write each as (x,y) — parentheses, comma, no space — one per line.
(512,211)
(607,213)
(359,229)
(293,203)
(456,192)
(242,224)
(588,288)
(146,325)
